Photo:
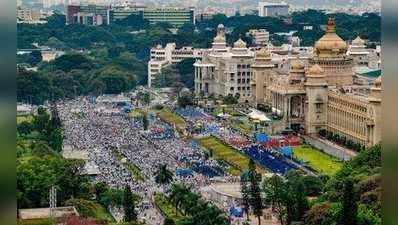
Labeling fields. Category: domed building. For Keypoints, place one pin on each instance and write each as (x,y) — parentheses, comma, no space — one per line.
(330,55)
(225,70)
(318,96)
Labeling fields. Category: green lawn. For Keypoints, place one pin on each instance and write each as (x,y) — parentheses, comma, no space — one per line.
(236,159)
(319,161)
(167,208)
(27,118)
(136,113)
(90,209)
(134,169)
(171,118)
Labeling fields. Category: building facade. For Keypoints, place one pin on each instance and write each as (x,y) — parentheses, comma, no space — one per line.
(164,56)
(273,9)
(224,70)
(260,36)
(318,94)
(88,14)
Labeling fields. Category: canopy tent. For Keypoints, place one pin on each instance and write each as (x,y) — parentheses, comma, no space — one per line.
(257,115)
(184,172)
(223,115)
(287,151)
(261,137)
(236,211)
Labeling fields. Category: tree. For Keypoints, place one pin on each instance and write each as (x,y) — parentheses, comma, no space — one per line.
(349,203)
(24,128)
(244,189)
(129,206)
(275,189)
(34,58)
(168,221)
(55,139)
(41,120)
(256,202)
(145,122)
(163,175)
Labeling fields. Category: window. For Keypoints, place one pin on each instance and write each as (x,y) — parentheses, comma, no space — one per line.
(238,81)
(231,89)
(318,108)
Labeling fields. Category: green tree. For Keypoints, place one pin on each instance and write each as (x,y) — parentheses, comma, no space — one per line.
(274,189)
(168,221)
(55,139)
(163,175)
(245,191)
(256,202)
(129,206)
(145,122)
(349,203)
(24,128)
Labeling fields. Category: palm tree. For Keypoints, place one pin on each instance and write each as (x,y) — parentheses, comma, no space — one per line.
(163,175)
(177,194)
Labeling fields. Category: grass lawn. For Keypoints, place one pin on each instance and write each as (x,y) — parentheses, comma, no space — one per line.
(319,161)
(167,208)
(136,113)
(135,170)
(90,209)
(171,118)
(236,159)
(27,118)
(243,127)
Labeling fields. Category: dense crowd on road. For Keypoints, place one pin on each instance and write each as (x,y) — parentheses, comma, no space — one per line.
(91,128)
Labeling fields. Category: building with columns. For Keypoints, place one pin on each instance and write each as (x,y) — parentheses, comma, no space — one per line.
(225,70)
(319,94)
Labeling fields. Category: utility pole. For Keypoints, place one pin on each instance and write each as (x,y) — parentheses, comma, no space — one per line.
(53,201)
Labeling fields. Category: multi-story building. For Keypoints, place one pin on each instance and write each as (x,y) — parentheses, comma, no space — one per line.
(224,70)
(165,56)
(174,16)
(273,9)
(88,14)
(320,95)
(27,15)
(121,12)
(260,36)
(362,56)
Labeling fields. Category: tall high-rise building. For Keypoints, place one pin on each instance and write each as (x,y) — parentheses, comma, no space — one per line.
(273,9)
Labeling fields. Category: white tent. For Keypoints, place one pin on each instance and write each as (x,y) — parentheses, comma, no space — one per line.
(257,115)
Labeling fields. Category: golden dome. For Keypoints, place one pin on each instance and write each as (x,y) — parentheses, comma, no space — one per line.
(296,64)
(330,44)
(315,70)
(240,44)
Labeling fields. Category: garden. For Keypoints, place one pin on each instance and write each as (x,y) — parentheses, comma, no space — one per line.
(233,157)
(167,209)
(317,160)
(169,117)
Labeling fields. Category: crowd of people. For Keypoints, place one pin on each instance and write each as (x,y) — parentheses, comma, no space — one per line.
(88,127)
(114,141)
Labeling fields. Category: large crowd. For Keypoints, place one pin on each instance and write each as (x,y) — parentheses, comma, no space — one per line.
(114,141)
(91,128)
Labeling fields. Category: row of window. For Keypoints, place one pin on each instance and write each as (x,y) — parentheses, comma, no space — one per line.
(243,66)
(240,88)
